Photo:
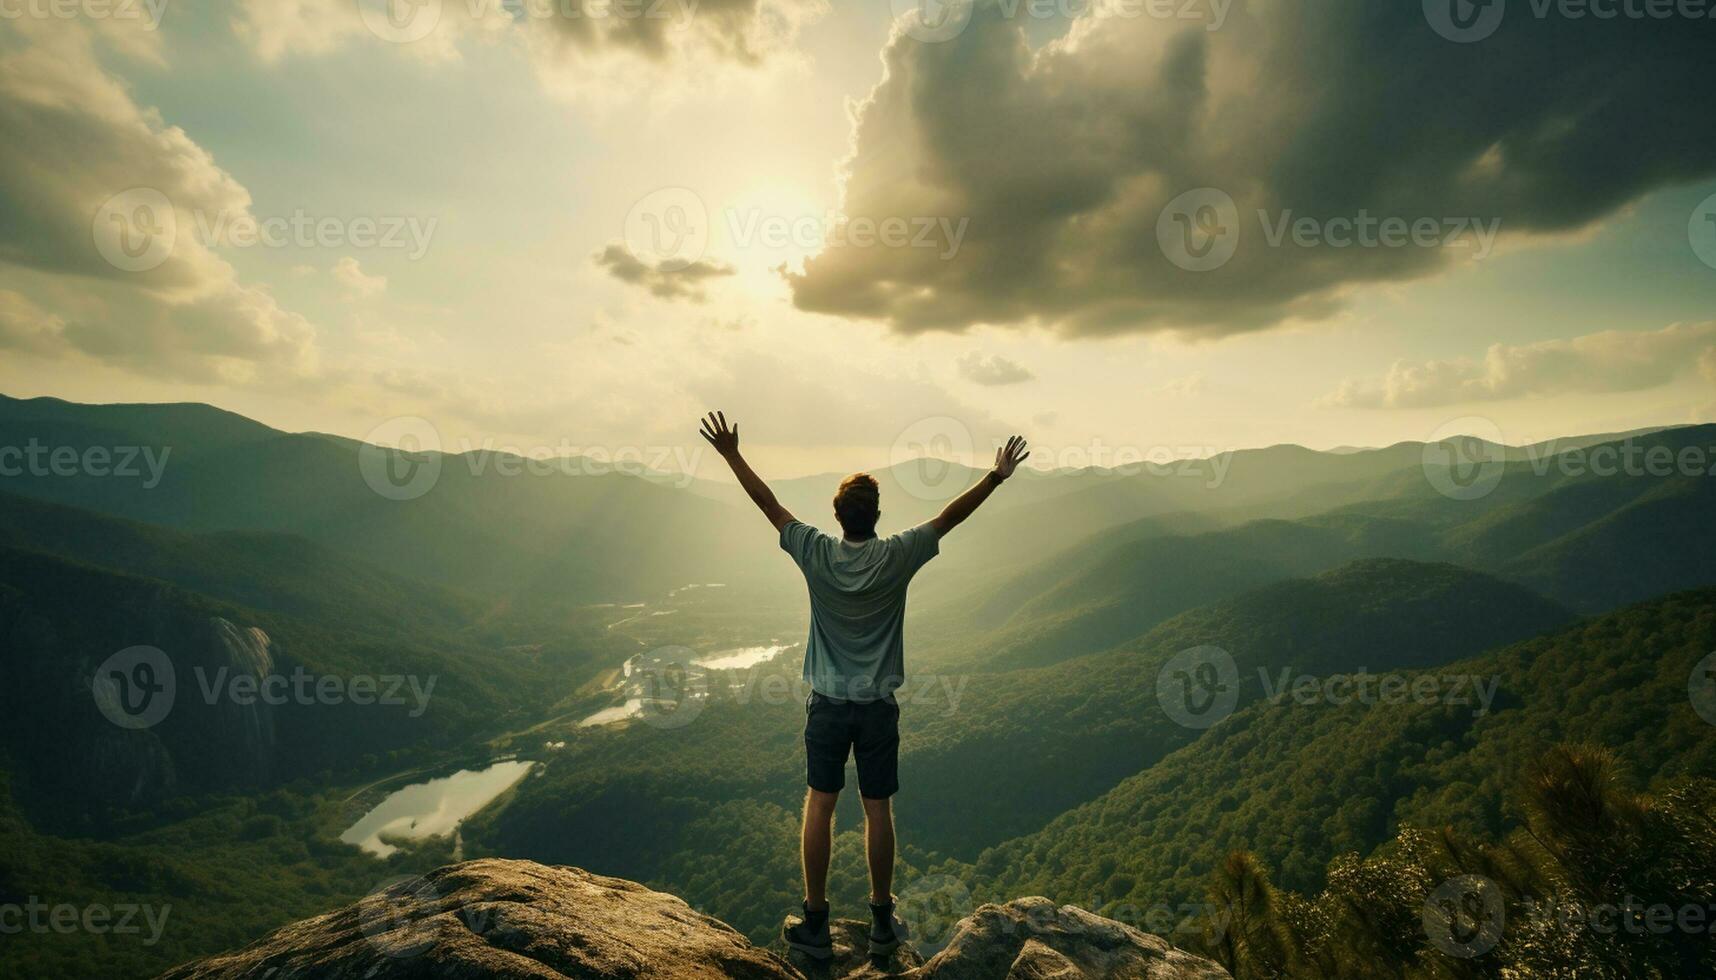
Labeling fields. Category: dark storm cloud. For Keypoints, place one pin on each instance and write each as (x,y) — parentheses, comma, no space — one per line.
(1343,112)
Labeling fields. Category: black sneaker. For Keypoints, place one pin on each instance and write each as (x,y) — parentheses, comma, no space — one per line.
(887,932)
(810,935)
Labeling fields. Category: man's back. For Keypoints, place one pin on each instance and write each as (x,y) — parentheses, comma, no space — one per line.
(857,606)
(853,661)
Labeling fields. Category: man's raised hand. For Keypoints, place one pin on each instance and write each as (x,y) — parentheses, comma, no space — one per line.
(1008,457)
(714,430)
(726,442)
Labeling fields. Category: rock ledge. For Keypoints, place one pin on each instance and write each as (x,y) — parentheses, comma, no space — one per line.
(519,919)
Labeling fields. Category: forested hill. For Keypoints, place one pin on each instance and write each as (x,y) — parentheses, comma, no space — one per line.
(1299,784)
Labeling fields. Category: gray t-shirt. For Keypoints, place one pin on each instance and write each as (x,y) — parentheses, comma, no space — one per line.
(857,606)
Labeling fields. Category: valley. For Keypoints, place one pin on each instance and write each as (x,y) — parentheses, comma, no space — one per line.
(640,714)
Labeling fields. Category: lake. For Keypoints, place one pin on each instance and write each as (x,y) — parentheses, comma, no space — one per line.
(741,658)
(433,807)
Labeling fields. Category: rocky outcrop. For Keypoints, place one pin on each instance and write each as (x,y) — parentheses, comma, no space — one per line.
(1025,939)
(518,919)
(1033,939)
(502,919)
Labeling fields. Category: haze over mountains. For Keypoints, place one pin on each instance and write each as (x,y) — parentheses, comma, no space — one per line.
(1568,583)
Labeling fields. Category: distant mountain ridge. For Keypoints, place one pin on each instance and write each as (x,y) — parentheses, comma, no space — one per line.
(483,532)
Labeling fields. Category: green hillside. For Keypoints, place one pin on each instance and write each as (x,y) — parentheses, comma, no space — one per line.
(61,620)
(1299,784)
(269,571)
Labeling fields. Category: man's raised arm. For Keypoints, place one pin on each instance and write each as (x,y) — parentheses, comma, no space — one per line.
(726,442)
(1007,458)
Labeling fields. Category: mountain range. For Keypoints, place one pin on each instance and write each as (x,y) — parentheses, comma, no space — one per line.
(1566,587)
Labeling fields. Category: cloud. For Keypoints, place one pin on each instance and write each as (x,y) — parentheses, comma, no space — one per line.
(98,221)
(667,279)
(1064,158)
(24,326)
(278,29)
(576,46)
(358,283)
(992,370)
(1610,361)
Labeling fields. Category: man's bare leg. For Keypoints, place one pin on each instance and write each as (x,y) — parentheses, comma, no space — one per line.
(879,848)
(816,844)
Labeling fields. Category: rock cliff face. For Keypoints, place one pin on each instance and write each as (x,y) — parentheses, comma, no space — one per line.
(518,919)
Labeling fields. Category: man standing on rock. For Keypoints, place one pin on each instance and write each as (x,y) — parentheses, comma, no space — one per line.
(853,662)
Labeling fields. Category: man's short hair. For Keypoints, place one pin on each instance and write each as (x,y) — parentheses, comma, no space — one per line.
(857,505)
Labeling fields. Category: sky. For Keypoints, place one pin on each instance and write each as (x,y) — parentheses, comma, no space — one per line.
(863,230)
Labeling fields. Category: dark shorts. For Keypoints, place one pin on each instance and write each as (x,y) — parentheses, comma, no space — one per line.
(869,730)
